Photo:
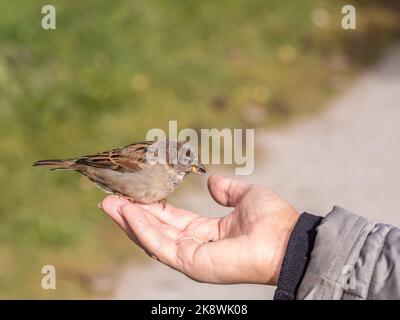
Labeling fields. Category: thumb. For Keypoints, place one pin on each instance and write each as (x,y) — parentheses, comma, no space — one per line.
(226,191)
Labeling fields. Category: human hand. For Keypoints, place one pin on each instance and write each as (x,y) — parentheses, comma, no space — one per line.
(245,246)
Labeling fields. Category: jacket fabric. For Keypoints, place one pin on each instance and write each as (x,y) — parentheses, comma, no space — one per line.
(351,258)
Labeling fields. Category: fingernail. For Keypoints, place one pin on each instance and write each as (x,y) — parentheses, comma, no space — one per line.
(99,205)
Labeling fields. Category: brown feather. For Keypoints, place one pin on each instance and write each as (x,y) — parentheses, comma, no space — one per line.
(126,159)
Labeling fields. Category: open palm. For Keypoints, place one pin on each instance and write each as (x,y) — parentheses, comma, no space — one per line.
(245,246)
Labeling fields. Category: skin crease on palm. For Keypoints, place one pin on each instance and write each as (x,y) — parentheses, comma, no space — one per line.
(245,246)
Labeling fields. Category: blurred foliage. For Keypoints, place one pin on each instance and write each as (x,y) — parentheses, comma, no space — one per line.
(114,69)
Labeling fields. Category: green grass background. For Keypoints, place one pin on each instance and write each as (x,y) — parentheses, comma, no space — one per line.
(114,69)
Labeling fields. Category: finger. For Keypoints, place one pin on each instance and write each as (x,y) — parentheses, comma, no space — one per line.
(153,240)
(176,217)
(112,205)
(215,262)
(187,223)
(226,191)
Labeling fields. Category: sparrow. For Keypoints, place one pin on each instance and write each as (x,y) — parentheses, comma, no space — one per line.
(144,172)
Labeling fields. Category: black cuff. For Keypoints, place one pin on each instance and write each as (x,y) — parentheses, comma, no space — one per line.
(297,255)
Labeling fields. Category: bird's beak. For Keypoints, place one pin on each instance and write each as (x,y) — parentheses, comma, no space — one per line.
(198,168)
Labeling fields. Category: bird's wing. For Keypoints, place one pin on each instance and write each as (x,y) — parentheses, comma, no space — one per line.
(127,159)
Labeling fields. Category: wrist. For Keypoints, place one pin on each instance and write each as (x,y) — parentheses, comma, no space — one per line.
(296,257)
(287,226)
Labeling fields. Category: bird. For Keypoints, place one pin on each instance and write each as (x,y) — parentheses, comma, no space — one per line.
(144,172)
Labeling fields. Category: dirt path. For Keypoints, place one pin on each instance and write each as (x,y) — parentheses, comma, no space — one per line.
(348,155)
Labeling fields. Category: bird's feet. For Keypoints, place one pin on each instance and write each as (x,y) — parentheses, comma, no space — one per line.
(163,203)
(120,195)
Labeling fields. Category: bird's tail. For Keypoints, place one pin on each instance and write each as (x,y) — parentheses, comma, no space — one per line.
(56,164)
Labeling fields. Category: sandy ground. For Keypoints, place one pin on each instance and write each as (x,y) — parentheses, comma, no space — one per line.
(347,155)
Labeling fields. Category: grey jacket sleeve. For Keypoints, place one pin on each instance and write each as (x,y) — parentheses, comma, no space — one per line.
(353,258)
